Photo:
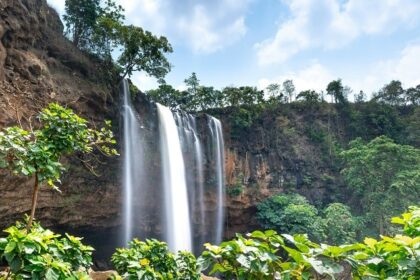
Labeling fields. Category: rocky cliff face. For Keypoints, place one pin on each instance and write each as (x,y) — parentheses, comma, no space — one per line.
(287,148)
(38,66)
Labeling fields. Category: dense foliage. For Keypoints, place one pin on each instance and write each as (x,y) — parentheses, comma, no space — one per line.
(37,152)
(41,254)
(152,260)
(293,214)
(198,97)
(385,177)
(290,214)
(268,255)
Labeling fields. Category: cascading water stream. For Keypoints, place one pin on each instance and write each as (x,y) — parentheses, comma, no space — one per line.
(132,166)
(218,150)
(178,231)
(192,150)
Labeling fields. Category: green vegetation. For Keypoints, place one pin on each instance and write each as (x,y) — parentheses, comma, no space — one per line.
(290,214)
(293,214)
(339,225)
(97,27)
(198,97)
(41,254)
(268,255)
(385,177)
(152,260)
(37,153)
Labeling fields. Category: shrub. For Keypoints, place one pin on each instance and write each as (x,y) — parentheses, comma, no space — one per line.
(41,254)
(339,224)
(290,213)
(151,259)
(268,255)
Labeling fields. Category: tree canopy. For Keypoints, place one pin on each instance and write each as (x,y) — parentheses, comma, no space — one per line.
(97,26)
(385,175)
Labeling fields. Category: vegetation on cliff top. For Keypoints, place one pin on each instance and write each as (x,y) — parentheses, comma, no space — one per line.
(97,27)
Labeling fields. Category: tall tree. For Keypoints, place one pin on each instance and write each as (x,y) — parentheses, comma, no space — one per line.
(166,95)
(80,18)
(412,95)
(289,89)
(309,96)
(275,94)
(392,94)
(97,26)
(360,97)
(385,175)
(143,51)
(336,90)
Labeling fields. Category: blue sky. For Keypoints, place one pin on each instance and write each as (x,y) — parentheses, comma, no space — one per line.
(366,43)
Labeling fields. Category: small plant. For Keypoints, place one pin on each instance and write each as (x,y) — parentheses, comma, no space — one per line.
(151,259)
(41,254)
(235,190)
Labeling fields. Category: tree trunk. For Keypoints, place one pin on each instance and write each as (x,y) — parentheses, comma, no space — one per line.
(34,201)
(381,225)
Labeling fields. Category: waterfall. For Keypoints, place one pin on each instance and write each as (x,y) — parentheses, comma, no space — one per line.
(193,153)
(173,175)
(132,166)
(178,231)
(218,150)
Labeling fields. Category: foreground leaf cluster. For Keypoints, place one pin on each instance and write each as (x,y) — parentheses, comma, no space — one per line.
(151,259)
(268,255)
(42,254)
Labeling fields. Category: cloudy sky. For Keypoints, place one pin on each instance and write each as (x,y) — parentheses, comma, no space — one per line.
(366,43)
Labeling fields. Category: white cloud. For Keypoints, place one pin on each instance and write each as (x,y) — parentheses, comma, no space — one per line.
(143,81)
(405,68)
(58,5)
(204,26)
(329,24)
(204,36)
(315,77)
